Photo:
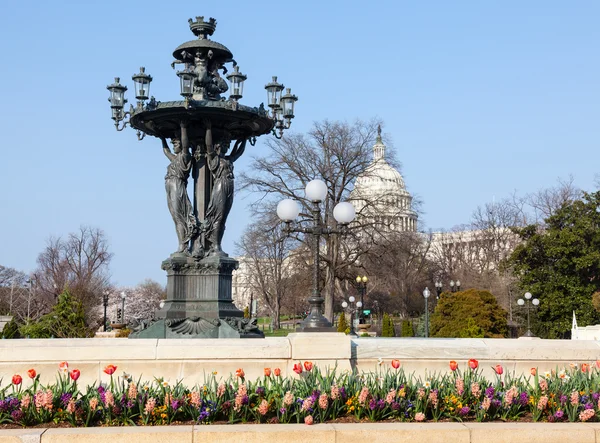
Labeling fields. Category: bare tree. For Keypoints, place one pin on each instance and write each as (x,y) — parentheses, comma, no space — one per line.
(267,251)
(547,201)
(80,263)
(337,153)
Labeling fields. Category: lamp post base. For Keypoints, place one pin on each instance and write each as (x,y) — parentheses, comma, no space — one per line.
(315,324)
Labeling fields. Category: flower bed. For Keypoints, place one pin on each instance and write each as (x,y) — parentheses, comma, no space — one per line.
(313,396)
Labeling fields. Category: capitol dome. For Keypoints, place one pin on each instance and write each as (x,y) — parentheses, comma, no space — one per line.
(380,194)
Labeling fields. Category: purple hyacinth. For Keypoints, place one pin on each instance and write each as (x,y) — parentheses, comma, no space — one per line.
(496,403)
(489,392)
(584,399)
(395,405)
(464,410)
(372,404)
(588,406)
(175,404)
(595,397)
(17,415)
(260,391)
(343,393)
(282,410)
(380,404)
(245,400)
(563,399)
(65,398)
(524,399)
(559,414)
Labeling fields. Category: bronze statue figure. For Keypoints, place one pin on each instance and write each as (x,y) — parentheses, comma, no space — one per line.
(178,201)
(221,198)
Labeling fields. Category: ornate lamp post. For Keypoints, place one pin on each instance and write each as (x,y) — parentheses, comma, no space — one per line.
(105,296)
(528,301)
(426,294)
(287,211)
(361,282)
(202,127)
(353,310)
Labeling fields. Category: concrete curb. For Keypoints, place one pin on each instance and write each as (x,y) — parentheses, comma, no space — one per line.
(323,433)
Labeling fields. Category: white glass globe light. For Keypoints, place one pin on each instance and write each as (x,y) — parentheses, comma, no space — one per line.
(344,213)
(316,191)
(426,293)
(535,302)
(162,304)
(528,295)
(344,305)
(288,210)
(520,302)
(351,299)
(358,304)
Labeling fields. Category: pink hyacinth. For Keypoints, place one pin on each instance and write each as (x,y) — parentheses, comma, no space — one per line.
(25,401)
(71,406)
(309,420)
(263,408)
(421,393)
(419,416)
(542,402)
(195,400)
(460,386)
(475,389)
(109,399)
(364,393)
(586,415)
(150,405)
(510,395)
(391,396)
(543,385)
(288,398)
(485,404)
(574,398)
(221,390)
(44,400)
(242,390)
(93,403)
(433,398)
(335,392)
(132,392)
(308,404)
(323,401)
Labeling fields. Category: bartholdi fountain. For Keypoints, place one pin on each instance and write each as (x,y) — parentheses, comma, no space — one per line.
(202,128)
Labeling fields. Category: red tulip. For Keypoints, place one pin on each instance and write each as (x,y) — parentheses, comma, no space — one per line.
(499,370)
(473,364)
(63,366)
(17,379)
(533,371)
(277,372)
(297,368)
(308,365)
(110,369)
(585,367)
(240,373)
(75,373)
(267,372)
(453,365)
(395,364)
(31,373)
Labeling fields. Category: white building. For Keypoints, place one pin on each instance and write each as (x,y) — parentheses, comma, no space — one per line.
(585,333)
(380,196)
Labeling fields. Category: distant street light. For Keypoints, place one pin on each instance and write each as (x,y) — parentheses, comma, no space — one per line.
(123,297)
(426,294)
(528,301)
(352,310)
(362,288)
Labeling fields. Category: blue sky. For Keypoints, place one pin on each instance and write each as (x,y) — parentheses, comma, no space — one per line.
(479,98)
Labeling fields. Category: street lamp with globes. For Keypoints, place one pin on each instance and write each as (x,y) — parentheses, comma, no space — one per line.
(426,294)
(352,311)
(528,301)
(344,213)
(362,287)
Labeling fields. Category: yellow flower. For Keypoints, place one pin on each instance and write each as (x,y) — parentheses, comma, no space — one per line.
(165,384)
(215,372)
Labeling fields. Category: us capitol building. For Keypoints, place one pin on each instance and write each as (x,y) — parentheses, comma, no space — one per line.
(380,199)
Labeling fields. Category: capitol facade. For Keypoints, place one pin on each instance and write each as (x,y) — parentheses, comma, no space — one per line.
(380,196)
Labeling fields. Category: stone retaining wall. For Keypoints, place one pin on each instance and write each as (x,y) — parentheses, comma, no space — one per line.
(192,359)
(325,433)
